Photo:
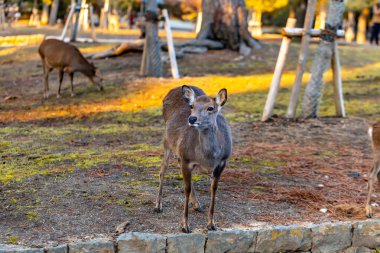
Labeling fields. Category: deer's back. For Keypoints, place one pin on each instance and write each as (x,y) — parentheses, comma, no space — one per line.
(59,54)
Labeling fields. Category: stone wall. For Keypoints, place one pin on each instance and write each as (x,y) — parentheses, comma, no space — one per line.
(348,237)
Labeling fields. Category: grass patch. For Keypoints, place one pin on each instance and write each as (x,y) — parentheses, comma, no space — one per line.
(13,240)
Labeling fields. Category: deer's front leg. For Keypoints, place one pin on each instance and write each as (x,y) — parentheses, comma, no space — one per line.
(214,186)
(187,185)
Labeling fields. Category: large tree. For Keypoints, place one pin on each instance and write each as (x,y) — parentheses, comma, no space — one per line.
(313,93)
(54,12)
(151,64)
(226,21)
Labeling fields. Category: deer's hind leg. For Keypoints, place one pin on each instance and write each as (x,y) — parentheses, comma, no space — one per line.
(164,166)
(374,172)
(46,70)
(72,83)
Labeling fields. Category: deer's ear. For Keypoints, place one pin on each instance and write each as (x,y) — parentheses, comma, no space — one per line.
(188,94)
(221,98)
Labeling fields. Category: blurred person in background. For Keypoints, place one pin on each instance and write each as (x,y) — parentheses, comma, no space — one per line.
(375,23)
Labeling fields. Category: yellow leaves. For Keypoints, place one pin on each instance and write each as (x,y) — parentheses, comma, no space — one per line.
(358,5)
(265,5)
(47,2)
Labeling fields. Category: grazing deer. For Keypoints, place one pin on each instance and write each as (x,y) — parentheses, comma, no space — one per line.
(66,58)
(200,137)
(374,133)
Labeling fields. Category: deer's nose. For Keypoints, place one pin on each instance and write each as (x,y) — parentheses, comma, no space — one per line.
(192,119)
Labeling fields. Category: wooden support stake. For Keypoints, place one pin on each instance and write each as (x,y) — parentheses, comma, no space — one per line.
(292,108)
(298,32)
(199,22)
(338,87)
(171,49)
(68,21)
(275,85)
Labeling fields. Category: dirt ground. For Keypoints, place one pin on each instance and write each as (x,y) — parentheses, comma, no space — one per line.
(76,168)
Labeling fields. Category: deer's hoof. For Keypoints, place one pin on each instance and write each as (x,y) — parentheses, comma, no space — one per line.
(368,211)
(158,209)
(198,209)
(211,227)
(185,229)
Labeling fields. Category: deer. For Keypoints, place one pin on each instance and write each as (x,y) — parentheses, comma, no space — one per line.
(67,59)
(200,137)
(374,133)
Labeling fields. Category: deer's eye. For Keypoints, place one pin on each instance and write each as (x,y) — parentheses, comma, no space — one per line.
(210,109)
(191,106)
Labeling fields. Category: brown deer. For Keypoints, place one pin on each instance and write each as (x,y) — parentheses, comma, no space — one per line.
(66,58)
(374,133)
(200,137)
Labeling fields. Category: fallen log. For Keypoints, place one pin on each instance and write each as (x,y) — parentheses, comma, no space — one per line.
(193,47)
(135,46)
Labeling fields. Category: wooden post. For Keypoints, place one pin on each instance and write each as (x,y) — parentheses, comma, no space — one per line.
(169,38)
(83,20)
(275,85)
(338,87)
(298,32)
(68,21)
(292,108)
(2,15)
(93,34)
(199,22)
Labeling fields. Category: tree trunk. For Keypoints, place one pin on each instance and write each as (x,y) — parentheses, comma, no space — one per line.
(362,27)
(256,23)
(104,15)
(53,12)
(151,64)
(34,19)
(320,22)
(350,27)
(300,13)
(313,93)
(45,14)
(226,21)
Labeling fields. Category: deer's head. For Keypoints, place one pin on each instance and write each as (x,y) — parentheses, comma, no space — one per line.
(204,109)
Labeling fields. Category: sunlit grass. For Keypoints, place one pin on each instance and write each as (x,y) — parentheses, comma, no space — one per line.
(149,93)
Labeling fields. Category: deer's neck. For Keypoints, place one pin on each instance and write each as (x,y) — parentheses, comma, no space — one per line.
(209,141)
